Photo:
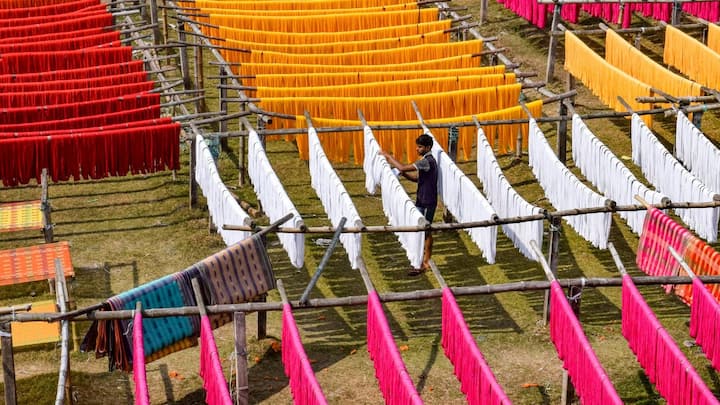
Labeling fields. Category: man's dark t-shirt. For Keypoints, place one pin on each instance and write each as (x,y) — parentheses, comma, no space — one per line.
(427,181)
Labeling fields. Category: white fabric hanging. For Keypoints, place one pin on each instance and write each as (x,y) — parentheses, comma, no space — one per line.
(697,152)
(334,197)
(223,207)
(607,173)
(275,201)
(465,202)
(398,207)
(566,192)
(506,201)
(671,178)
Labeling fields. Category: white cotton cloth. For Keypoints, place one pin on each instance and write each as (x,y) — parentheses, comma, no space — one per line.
(465,202)
(566,192)
(334,197)
(506,201)
(669,176)
(607,173)
(397,205)
(274,199)
(697,152)
(223,208)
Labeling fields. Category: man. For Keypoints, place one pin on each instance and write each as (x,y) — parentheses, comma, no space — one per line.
(425,173)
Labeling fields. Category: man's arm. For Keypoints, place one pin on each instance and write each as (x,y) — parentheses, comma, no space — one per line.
(407,171)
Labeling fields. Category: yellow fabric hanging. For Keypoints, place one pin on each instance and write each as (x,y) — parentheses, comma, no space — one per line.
(713,39)
(307,38)
(342,47)
(304,12)
(390,88)
(692,57)
(332,141)
(603,79)
(248,69)
(290,5)
(632,61)
(392,56)
(337,79)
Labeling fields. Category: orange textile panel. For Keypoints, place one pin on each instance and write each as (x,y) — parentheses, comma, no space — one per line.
(304,12)
(398,108)
(34,263)
(692,57)
(289,5)
(713,37)
(384,56)
(603,79)
(307,38)
(320,23)
(621,54)
(341,47)
(453,62)
(36,333)
(337,79)
(390,88)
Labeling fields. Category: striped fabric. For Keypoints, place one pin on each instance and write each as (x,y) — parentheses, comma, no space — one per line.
(21,216)
(34,263)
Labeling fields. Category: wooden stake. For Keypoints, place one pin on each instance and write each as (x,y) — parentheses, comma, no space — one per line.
(549,72)
(64,390)
(242,389)
(8,363)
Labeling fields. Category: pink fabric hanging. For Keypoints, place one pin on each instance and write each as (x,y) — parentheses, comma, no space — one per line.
(586,373)
(476,378)
(705,322)
(395,383)
(707,10)
(303,384)
(216,389)
(665,365)
(141,390)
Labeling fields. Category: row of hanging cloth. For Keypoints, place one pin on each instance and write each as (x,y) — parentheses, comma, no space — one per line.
(713,37)
(240,273)
(24,9)
(681,49)
(697,152)
(97,20)
(288,5)
(82,73)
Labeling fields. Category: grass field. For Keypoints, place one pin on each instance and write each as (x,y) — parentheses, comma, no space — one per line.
(128,231)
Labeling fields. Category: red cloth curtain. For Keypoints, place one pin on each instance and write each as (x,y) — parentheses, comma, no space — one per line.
(75,73)
(42,98)
(28,62)
(89,121)
(68,44)
(38,10)
(102,81)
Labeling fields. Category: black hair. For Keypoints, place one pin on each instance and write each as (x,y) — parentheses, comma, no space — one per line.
(424,140)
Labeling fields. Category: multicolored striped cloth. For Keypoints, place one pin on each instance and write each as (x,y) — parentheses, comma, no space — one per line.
(21,216)
(34,263)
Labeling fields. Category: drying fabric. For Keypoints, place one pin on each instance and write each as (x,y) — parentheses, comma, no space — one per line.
(76,42)
(102,81)
(634,62)
(398,207)
(672,179)
(530,10)
(464,201)
(682,51)
(222,205)
(565,191)
(506,201)
(390,371)
(477,380)
(22,133)
(141,389)
(304,12)
(52,36)
(608,174)
(603,79)
(91,21)
(303,384)
(705,322)
(290,5)
(75,73)
(274,199)
(665,365)
(713,37)
(239,273)
(697,152)
(43,10)
(610,12)
(48,97)
(590,380)
(34,263)
(707,10)
(21,23)
(334,197)
(704,260)
(21,216)
(216,389)
(29,62)
(308,38)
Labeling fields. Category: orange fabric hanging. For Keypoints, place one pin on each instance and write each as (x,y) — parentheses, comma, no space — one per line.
(289,5)
(305,12)
(692,57)
(713,37)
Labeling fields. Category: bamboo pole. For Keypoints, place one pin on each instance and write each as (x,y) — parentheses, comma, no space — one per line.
(63,385)
(323,262)
(8,362)
(681,261)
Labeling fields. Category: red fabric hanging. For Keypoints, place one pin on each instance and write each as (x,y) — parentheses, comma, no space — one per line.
(92,21)
(102,81)
(42,98)
(53,36)
(110,69)
(29,21)
(27,62)
(122,125)
(33,11)
(79,123)
(9,4)
(68,44)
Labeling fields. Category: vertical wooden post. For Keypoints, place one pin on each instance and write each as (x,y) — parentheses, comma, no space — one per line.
(518,144)
(554,251)
(549,73)
(193,164)
(223,106)
(262,321)
(483,11)
(184,63)
(242,396)
(8,364)
(676,13)
(166,26)
(562,134)
(199,82)
(45,207)
(241,152)
(568,391)
(157,36)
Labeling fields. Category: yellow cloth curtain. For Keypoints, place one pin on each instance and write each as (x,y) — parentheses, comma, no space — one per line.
(345,46)
(453,62)
(337,145)
(692,57)
(290,5)
(632,61)
(397,108)
(307,38)
(337,79)
(383,56)
(603,79)
(713,39)
(304,12)
(390,88)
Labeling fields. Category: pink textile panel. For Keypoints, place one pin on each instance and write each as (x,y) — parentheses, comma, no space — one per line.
(303,384)
(141,390)
(705,321)
(216,389)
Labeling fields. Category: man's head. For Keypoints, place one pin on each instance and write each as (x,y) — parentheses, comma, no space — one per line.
(423,144)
